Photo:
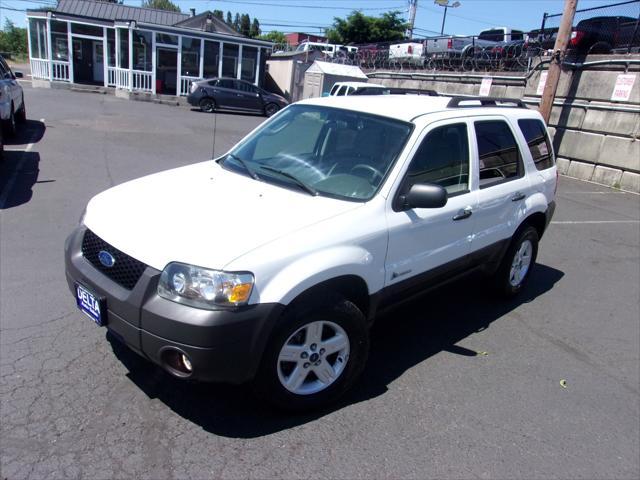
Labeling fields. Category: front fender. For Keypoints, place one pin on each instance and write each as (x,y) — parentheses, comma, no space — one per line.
(318,267)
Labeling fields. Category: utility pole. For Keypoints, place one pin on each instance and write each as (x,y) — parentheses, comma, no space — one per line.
(553,75)
(413,6)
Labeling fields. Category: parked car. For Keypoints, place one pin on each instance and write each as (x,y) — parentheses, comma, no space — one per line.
(341,89)
(458,46)
(627,38)
(394,91)
(214,94)
(12,106)
(599,34)
(329,49)
(270,263)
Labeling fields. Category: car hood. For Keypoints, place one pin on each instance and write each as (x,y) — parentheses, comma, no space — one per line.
(201,214)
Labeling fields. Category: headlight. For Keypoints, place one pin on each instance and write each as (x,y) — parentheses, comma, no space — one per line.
(204,288)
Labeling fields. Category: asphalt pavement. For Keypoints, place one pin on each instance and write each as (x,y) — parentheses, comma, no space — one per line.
(458,384)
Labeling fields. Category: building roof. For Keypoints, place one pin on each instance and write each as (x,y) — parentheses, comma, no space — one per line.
(114,11)
(207,22)
(336,69)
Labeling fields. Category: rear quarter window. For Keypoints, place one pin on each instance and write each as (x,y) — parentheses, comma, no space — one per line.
(537,139)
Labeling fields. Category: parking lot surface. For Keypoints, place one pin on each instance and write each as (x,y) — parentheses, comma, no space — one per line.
(458,384)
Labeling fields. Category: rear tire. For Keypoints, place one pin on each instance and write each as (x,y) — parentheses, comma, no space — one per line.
(516,266)
(207,105)
(271,109)
(329,336)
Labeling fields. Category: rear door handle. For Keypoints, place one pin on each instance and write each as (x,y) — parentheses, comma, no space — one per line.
(518,196)
(462,214)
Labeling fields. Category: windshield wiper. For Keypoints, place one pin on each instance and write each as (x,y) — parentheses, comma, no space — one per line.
(308,188)
(244,165)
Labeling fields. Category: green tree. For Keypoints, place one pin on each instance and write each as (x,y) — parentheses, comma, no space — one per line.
(229,20)
(361,28)
(245,25)
(219,14)
(13,39)
(161,5)
(255,29)
(236,22)
(275,37)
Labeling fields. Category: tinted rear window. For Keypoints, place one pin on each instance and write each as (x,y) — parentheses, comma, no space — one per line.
(536,135)
(500,159)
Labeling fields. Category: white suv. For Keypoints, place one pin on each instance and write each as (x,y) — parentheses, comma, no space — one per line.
(270,263)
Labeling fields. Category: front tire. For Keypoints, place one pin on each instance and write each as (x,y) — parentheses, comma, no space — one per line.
(516,266)
(21,115)
(207,105)
(10,124)
(314,356)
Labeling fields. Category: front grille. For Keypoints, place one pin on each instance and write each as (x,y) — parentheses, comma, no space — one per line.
(126,271)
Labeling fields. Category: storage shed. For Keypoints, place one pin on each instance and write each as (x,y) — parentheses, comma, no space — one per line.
(321,76)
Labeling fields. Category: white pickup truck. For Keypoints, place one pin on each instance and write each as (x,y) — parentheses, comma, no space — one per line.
(459,45)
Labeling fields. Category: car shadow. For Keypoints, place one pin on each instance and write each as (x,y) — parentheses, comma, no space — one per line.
(19,168)
(400,339)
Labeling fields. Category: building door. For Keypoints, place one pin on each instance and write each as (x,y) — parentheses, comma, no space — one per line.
(98,62)
(166,71)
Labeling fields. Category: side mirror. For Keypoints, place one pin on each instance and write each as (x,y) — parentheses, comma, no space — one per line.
(425,195)
(18,74)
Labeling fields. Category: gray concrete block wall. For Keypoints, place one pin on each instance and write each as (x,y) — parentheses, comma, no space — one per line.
(593,141)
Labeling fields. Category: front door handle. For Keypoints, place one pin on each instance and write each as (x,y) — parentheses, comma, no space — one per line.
(518,196)
(462,214)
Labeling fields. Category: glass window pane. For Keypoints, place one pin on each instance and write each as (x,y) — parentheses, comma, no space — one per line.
(249,59)
(443,159)
(166,38)
(500,159)
(190,57)
(538,141)
(339,153)
(59,41)
(111,45)
(124,48)
(211,55)
(142,49)
(86,30)
(38,33)
(230,60)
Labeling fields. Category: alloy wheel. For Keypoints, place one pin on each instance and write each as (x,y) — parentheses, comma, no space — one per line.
(313,358)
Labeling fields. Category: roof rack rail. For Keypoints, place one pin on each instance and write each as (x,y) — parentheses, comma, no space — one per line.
(455,102)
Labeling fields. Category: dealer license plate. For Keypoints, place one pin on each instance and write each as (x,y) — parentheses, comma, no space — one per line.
(90,304)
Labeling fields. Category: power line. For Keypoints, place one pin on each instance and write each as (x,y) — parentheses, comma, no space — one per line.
(317,7)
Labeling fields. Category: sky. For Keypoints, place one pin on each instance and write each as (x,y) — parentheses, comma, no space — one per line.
(312,16)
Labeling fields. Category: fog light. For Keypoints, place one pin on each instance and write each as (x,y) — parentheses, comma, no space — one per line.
(186,362)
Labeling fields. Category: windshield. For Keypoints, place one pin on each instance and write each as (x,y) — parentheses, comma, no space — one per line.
(322,151)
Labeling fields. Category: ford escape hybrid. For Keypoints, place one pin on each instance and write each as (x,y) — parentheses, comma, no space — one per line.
(269,263)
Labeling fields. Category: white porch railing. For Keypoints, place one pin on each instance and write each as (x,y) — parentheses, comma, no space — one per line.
(111,76)
(39,68)
(142,80)
(119,78)
(60,70)
(185,84)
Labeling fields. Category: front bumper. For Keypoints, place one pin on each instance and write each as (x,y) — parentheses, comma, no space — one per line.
(222,345)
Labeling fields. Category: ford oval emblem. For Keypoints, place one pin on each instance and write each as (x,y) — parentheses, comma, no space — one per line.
(106,258)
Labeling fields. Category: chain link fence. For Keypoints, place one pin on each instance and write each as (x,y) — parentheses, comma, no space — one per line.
(612,28)
(606,29)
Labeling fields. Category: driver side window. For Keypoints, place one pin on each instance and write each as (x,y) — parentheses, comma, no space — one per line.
(443,159)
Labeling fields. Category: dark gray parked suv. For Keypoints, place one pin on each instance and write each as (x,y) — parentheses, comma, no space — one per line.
(232,94)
